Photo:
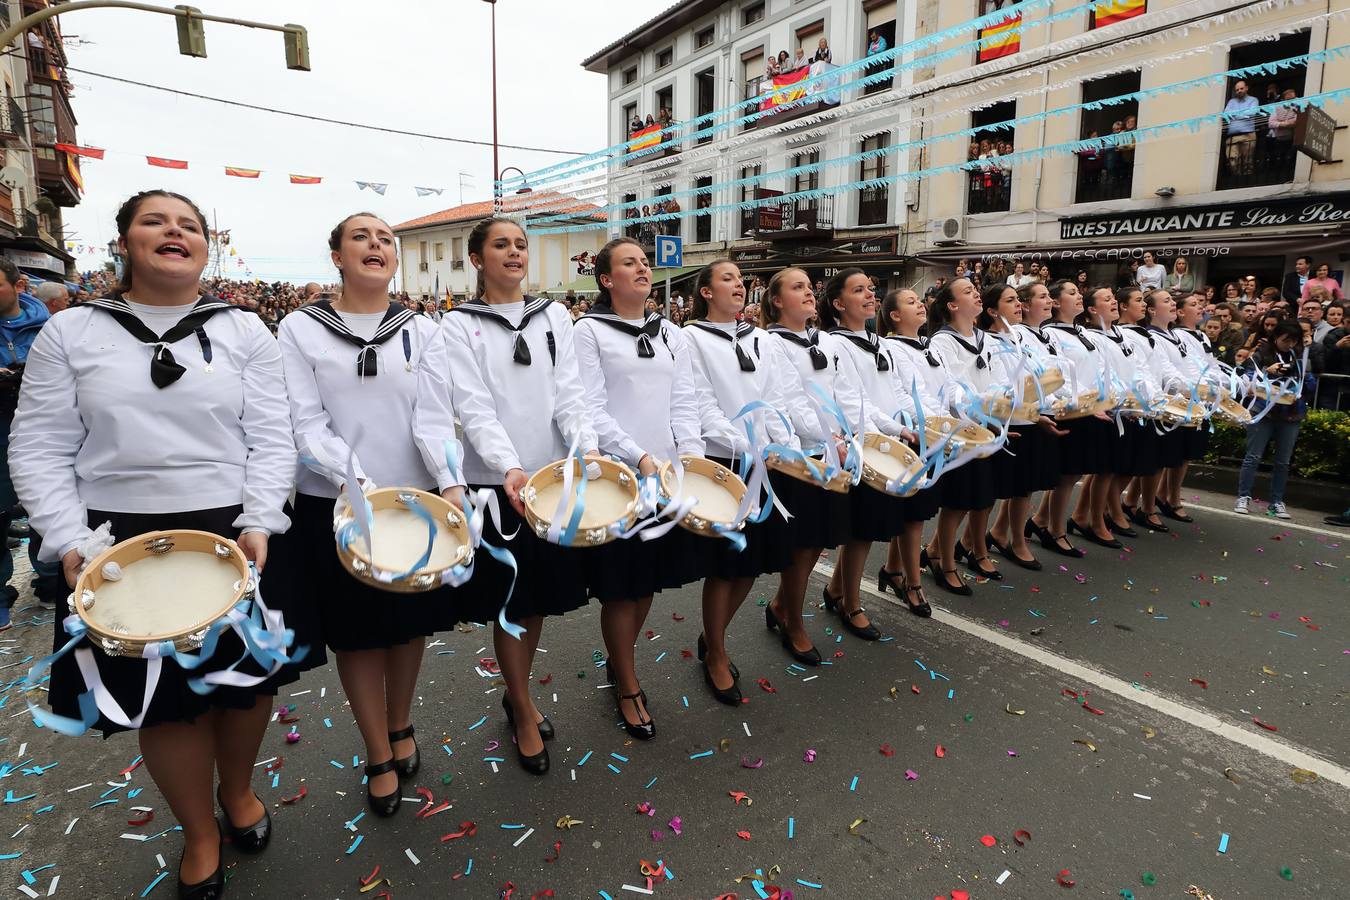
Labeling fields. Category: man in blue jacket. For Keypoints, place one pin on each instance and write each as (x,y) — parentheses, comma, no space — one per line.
(21,318)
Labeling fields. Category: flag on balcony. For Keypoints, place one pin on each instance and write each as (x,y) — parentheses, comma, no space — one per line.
(1003,39)
(647,137)
(1109,12)
(73,170)
(305,179)
(234,172)
(163,163)
(91,152)
(786,89)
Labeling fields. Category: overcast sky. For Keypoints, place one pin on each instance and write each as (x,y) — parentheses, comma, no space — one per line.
(419,65)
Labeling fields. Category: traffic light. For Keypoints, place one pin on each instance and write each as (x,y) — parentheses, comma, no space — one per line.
(297,48)
(191,32)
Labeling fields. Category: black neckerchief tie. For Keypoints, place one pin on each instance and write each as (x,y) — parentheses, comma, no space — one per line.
(164,369)
(870,344)
(1142,332)
(1201,338)
(810,343)
(1167,336)
(367,357)
(742,329)
(520,350)
(1115,335)
(920,345)
(1070,328)
(976,349)
(1045,341)
(649,329)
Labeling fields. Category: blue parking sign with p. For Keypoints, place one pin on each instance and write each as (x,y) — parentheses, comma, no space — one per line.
(669,251)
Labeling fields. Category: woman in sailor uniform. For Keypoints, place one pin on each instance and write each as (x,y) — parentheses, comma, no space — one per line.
(1197,367)
(202,440)
(1152,376)
(871,364)
(1037,448)
(640,391)
(1166,362)
(1086,449)
(368,388)
(521,404)
(818,395)
(1029,462)
(966,352)
(919,373)
(733,367)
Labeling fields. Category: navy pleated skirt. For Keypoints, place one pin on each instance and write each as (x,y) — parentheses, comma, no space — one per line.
(1028,462)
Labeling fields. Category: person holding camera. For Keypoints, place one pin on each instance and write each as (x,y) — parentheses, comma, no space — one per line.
(1275,356)
(21,318)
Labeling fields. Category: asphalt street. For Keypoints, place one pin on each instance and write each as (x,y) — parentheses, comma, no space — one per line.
(1091,723)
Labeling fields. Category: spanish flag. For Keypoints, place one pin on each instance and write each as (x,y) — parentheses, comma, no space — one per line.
(234,172)
(305,179)
(1109,12)
(647,137)
(1003,39)
(786,89)
(163,163)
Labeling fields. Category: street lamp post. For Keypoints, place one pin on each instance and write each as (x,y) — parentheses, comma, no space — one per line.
(496,161)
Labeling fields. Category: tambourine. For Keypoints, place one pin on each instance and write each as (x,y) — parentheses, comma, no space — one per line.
(610,504)
(1182,413)
(1049,380)
(716,490)
(1283,396)
(399,536)
(887,459)
(964,435)
(1088,403)
(174,586)
(995,406)
(812,471)
(1233,411)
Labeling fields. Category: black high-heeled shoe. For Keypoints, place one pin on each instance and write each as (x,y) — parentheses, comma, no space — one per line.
(972,562)
(922,609)
(1145,520)
(254,838)
(730,696)
(703,651)
(961,589)
(388,804)
(886,579)
(1007,553)
(407,766)
(806,657)
(545,727)
(1122,530)
(1051,543)
(210,889)
(644,730)
(609,675)
(866,632)
(1170,511)
(1091,535)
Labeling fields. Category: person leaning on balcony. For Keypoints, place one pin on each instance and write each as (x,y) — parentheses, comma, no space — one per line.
(1281,128)
(1322,278)
(635,126)
(800,61)
(1182,281)
(822,52)
(876,43)
(1241,127)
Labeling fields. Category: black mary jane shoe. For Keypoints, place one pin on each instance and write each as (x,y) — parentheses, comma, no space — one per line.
(1070,551)
(1122,530)
(730,696)
(961,589)
(886,579)
(703,651)
(1007,553)
(805,657)
(972,562)
(609,674)
(545,727)
(213,888)
(384,806)
(254,838)
(1170,511)
(644,730)
(536,764)
(921,609)
(1091,535)
(835,605)
(1145,520)
(407,766)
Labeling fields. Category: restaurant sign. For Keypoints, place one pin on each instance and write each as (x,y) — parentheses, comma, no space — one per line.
(1330,209)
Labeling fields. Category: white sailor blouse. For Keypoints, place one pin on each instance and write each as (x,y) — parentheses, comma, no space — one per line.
(733,367)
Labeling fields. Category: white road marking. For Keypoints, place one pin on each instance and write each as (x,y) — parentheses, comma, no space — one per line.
(1267,520)
(1278,750)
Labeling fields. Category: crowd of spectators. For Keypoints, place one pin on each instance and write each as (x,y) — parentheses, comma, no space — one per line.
(1256,139)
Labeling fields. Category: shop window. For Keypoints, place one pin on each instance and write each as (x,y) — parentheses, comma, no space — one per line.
(1258,148)
(1107,173)
(990,182)
(1109,12)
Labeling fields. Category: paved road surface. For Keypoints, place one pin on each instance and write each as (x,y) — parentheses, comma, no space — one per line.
(1151,785)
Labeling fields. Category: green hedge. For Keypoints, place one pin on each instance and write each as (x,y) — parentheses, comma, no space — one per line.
(1322,450)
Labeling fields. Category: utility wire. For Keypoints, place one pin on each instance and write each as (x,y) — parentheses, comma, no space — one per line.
(300,115)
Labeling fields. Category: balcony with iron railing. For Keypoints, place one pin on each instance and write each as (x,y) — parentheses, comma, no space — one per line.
(1255,159)
(790,219)
(782,100)
(12,121)
(990,190)
(874,206)
(1105,174)
(653,142)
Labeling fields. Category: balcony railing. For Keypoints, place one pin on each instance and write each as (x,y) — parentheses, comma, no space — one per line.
(990,190)
(794,218)
(874,206)
(652,142)
(781,100)
(1106,174)
(1253,160)
(11,120)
